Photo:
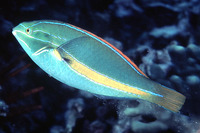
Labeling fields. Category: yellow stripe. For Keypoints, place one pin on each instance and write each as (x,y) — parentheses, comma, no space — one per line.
(57,54)
(103,80)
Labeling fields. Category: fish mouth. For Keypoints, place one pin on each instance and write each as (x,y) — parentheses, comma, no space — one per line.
(18,34)
(19,28)
(14,32)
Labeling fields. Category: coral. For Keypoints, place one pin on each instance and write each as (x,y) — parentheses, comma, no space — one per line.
(148,118)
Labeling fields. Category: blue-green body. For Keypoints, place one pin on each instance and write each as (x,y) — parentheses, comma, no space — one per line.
(85,61)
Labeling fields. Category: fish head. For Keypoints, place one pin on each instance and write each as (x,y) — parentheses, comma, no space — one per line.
(36,36)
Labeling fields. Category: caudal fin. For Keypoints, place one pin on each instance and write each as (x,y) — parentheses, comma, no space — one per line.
(171,100)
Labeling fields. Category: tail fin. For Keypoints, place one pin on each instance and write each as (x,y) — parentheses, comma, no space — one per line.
(171,100)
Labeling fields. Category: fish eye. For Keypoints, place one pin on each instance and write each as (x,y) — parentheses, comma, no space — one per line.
(28,30)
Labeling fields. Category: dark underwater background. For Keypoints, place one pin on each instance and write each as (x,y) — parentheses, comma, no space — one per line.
(161,36)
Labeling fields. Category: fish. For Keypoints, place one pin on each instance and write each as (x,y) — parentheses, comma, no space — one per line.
(83,60)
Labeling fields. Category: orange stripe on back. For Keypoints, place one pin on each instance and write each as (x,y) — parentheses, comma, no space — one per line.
(133,64)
